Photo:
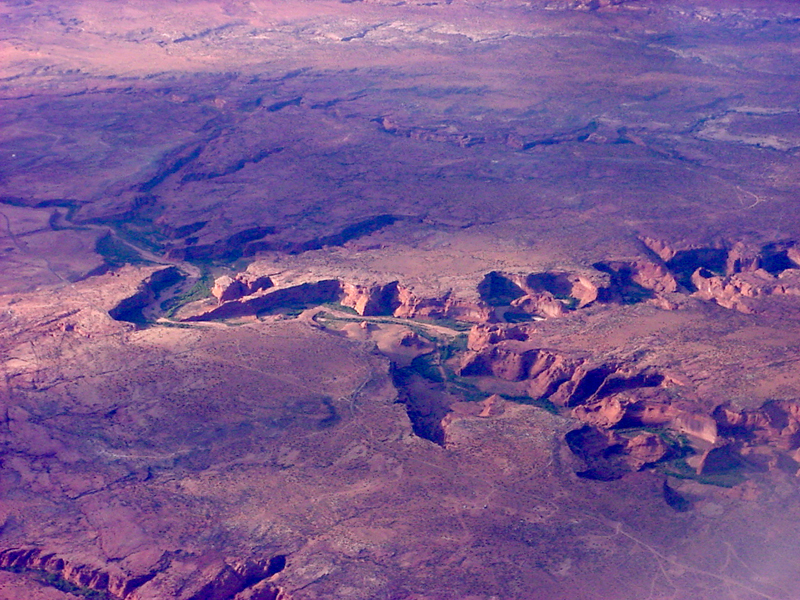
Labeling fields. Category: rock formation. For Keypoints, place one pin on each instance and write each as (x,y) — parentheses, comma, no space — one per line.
(130,308)
(228,288)
(740,290)
(235,580)
(610,455)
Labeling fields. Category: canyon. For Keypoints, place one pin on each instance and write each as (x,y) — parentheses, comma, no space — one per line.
(412,300)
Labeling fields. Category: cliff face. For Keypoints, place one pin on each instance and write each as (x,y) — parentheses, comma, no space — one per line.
(610,455)
(739,291)
(240,580)
(399,301)
(606,394)
(613,398)
(310,293)
(243,284)
(246,295)
(729,274)
(130,308)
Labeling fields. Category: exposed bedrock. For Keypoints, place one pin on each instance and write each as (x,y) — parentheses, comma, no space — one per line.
(374,299)
(252,240)
(243,284)
(399,301)
(740,290)
(113,582)
(635,281)
(722,259)
(484,334)
(445,135)
(220,580)
(249,294)
(548,294)
(765,439)
(567,380)
(728,275)
(610,454)
(775,425)
(317,292)
(243,580)
(732,275)
(556,293)
(130,308)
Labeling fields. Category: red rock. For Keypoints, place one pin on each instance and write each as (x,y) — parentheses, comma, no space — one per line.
(374,299)
(653,276)
(483,335)
(493,406)
(226,288)
(645,449)
(742,258)
(605,414)
(542,304)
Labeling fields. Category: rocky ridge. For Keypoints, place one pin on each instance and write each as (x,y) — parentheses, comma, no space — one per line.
(234,580)
(727,274)
(633,415)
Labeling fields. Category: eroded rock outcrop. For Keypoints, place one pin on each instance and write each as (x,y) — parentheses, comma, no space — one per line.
(740,290)
(445,134)
(730,263)
(228,288)
(567,380)
(373,299)
(576,288)
(726,441)
(610,455)
(502,361)
(638,279)
(106,580)
(545,295)
(243,580)
(483,335)
(313,292)
(776,423)
(130,308)
(742,258)
(717,272)
(220,580)
(447,306)
(541,305)
(399,301)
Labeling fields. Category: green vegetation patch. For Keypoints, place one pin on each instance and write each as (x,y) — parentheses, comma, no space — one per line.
(517,317)
(449,323)
(289,309)
(543,403)
(453,347)
(117,253)
(680,469)
(200,290)
(341,308)
(427,367)
(56,581)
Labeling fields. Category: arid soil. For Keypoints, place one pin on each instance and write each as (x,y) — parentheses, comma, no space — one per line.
(459,300)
